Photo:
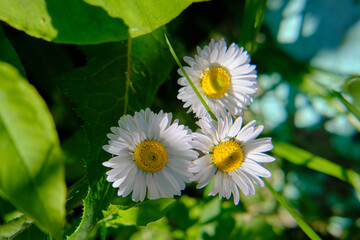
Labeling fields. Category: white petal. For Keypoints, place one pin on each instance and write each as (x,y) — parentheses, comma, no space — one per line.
(217,188)
(235,128)
(255,169)
(258,145)
(260,157)
(206,178)
(246,131)
(236,194)
(241,183)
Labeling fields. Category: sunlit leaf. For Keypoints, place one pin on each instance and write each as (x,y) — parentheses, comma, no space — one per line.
(31,173)
(101,91)
(302,157)
(211,210)
(62,21)
(78,22)
(14,227)
(143,17)
(139,215)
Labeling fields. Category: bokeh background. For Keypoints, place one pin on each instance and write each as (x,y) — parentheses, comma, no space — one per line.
(303,50)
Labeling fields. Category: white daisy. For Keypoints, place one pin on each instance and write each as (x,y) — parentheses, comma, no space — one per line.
(151,156)
(232,155)
(224,78)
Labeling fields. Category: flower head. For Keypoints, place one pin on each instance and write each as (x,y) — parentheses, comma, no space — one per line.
(224,78)
(151,156)
(232,155)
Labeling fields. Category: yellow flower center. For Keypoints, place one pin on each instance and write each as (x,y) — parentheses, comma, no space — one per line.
(150,156)
(216,82)
(228,156)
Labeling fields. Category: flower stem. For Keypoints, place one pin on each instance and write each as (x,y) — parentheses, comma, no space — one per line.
(302,224)
(189,80)
(128,77)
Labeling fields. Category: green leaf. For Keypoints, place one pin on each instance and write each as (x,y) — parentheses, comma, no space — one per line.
(253,16)
(143,17)
(97,199)
(211,210)
(31,173)
(139,215)
(15,227)
(8,54)
(101,90)
(302,157)
(67,21)
(75,21)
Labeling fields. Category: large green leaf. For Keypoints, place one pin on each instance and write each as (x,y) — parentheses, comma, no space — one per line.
(139,215)
(302,157)
(31,173)
(141,16)
(67,21)
(100,90)
(75,21)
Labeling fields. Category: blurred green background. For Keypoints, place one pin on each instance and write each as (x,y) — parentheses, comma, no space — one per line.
(304,50)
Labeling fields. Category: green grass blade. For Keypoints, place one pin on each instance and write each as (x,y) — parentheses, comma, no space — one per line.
(302,224)
(302,157)
(348,105)
(258,22)
(189,80)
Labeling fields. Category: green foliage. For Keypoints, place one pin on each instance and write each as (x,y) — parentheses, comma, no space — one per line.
(8,54)
(31,162)
(353,108)
(352,86)
(14,227)
(307,229)
(211,210)
(132,12)
(100,89)
(140,214)
(115,62)
(302,157)
(32,233)
(252,20)
(80,23)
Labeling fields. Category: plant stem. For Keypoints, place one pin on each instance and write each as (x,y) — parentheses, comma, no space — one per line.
(128,77)
(189,80)
(302,224)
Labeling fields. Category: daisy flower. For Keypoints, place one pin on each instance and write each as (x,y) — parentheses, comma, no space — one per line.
(232,155)
(224,78)
(150,156)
